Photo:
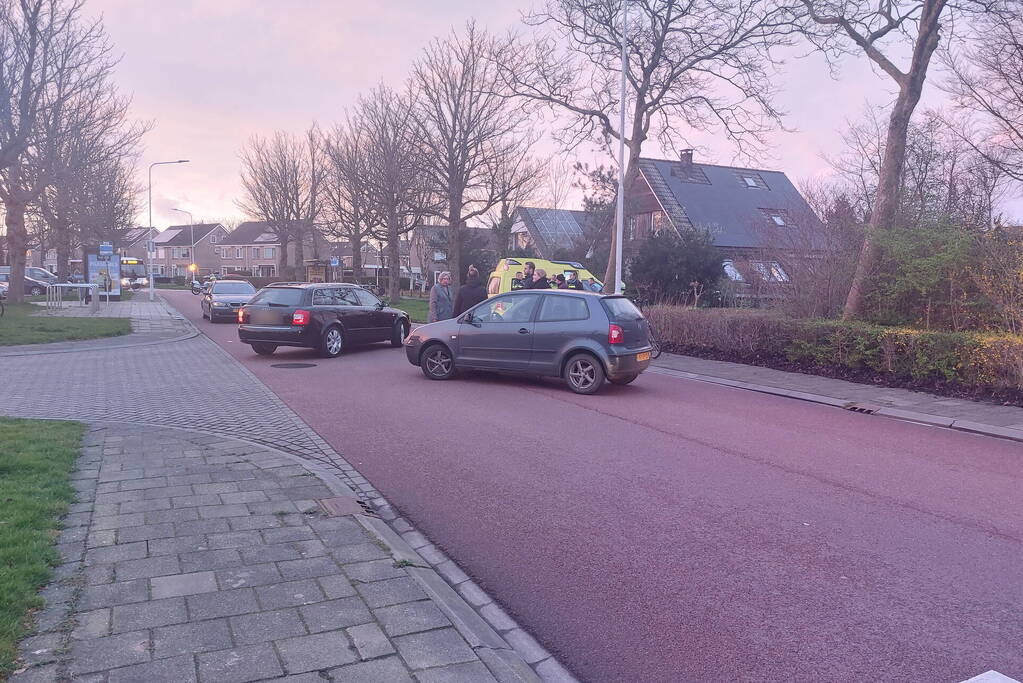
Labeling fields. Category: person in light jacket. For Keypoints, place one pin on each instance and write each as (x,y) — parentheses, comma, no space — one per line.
(442,299)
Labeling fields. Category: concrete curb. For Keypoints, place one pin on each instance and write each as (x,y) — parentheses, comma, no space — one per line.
(894,413)
(112,347)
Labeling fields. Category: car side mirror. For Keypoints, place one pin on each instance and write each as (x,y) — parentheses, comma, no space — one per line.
(470,319)
(383,302)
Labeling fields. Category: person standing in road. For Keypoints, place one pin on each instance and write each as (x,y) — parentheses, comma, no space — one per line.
(540,280)
(573,280)
(560,281)
(471,293)
(528,269)
(442,301)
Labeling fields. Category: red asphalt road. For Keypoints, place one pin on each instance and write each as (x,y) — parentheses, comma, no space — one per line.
(674,530)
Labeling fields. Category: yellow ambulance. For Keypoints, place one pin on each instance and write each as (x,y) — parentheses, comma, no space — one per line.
(508,269)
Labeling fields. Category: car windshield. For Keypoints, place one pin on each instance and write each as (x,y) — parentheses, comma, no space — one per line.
(133,270)
(233,288)
(620,308)
(278,296)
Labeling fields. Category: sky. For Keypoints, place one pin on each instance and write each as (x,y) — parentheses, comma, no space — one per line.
(209,75)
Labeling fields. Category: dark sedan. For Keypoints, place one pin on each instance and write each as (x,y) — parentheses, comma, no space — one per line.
(32,286)
(325,317)
(583,337)
(222,299)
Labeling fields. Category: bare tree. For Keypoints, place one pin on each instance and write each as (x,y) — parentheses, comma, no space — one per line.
(281,178)
(469,127)
(347,198)
(518,179)
(880,30)
(398,184)
(559,176)
(692,65)
(49,57)
(987,80)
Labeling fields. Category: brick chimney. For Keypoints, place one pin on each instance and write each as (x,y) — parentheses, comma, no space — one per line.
(686,157)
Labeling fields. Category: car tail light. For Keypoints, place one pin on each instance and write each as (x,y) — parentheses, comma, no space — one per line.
(241,315)
(615,334)
(300,317)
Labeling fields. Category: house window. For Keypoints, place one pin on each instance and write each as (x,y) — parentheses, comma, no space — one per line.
(238,252)
(658,222)
(223,270)
(184,253)
(731,271)
(159,252)
(255,252)
(770,271)
(216,251)
(268,252)
(213,238)
(640,226)
(751,179)
(777,217)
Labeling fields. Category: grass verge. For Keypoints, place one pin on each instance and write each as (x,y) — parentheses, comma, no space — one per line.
(36,461)
(18,326)
(417,309)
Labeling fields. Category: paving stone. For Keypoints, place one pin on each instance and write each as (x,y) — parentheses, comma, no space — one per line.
(370,641)
(178,544)
(183,584)
(236,539)
(451,572)
(410,617)
(335,614)
(146,568)
(390,670)
(40,674)
(144,505)
(289,594)
(550,670)
(239,665)
(434,648)
(308,568)
(92,624)
(111,594)
(116,553)
(287,534)
(254,522)
(192,637)
(244,497)
(263,627)
(101,573)
(497,617)
(145,532)
(358,552)
(390,592)
(337,586)
(177,515)
(118,521)
(526,646)
(202,526)
(252,575)
(222,603)
(375,570)
(215,511)
(149,614)
(205,560)
(318,651)
(98,654)
(469,672)
(195,500)
(173,669)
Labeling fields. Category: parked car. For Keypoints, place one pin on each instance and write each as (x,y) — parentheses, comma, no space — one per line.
(40,274)
(223,298)
(326,317)
(583,337)
(33,287)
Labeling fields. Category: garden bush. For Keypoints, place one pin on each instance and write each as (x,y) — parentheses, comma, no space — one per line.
(972,361)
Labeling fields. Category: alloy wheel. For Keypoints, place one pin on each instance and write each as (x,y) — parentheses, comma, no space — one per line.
(333,341)
(582,374)
(438,362)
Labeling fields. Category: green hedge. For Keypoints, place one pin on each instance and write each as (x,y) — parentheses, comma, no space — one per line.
(972,360)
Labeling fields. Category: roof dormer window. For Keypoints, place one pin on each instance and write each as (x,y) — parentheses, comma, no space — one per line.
(750,179)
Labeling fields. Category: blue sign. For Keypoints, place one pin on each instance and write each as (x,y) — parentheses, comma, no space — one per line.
(334,262)
(106,249)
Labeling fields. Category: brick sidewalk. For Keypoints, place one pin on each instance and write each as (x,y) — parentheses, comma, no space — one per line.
(197,558)
(1003,420)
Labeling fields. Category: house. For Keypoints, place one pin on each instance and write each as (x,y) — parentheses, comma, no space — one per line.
(749,212)
(174,249)
(426,249)
(546,231)
(255,248)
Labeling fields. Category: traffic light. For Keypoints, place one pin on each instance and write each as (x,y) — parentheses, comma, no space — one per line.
(192,267)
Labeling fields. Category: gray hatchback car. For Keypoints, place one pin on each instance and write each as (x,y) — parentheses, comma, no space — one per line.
(585,338)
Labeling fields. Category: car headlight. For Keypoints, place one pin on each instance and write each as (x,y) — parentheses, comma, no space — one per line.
(125,281)
(219,304)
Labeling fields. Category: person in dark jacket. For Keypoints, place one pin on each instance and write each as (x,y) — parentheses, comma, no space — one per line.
(469,294)
(559,281)
(573,280)
(527,278)
(540,280)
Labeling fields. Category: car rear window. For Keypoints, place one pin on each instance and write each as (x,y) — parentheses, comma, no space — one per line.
(278,296)
(233,288)
(620,308)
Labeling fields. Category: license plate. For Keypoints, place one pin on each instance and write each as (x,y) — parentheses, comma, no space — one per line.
(643,356)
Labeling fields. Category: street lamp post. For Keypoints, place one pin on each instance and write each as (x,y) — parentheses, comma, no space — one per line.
(149,241)
(191,228)
(620,208)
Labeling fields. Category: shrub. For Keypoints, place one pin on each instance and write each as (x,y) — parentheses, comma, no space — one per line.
(985,362)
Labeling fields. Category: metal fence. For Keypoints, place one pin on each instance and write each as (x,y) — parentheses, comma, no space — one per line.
(88,295)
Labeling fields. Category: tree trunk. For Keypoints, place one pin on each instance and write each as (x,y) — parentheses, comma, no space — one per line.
(17,243)
(63,256)
(886,203)
(393,261)
(299,256)
(454,237)
(356,244)
(631,173)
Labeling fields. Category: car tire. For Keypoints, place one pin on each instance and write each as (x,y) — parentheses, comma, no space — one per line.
(264,349)
(332,343)
(436,362)
(35,291)
(399,333)
(584,374)
(622,381)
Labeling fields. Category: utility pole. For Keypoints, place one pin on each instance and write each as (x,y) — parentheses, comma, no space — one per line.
(620,209)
